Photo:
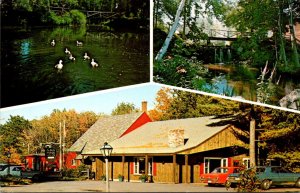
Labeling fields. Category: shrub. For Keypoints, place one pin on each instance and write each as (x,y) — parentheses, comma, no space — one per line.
(78,18)
(143,177)
(74,17)
(64,19)
(179,71)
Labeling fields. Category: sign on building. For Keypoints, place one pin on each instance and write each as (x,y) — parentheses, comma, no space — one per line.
(50,153)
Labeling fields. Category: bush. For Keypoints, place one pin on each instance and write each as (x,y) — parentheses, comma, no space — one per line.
(65,19)
(179,71)
(78,18)
(75,173)
(248,181)
(74,17)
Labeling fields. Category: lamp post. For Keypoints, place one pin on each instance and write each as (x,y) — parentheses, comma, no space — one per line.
(8,154)
(106,150)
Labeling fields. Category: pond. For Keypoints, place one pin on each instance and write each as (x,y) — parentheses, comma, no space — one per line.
(28,62)
(236,83)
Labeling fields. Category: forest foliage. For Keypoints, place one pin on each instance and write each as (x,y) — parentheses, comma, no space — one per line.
(68,12)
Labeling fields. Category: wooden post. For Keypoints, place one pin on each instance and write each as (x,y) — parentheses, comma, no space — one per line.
(174,169)
(99,169)
(146,164)
(186,161)
(123,166)
(252,143)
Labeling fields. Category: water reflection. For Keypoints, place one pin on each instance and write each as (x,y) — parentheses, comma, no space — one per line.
(237,85)
(25,48)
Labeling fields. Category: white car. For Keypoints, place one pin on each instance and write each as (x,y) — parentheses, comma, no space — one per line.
(14,170)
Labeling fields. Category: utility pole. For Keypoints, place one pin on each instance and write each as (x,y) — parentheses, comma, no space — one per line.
(252,143)
(63,145)
(60,148)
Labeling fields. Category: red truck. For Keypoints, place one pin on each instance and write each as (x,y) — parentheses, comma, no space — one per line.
(218,176)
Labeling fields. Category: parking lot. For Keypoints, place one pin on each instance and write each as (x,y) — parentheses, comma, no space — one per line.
(99,186)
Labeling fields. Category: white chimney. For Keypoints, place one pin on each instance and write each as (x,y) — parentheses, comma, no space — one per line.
(176,137)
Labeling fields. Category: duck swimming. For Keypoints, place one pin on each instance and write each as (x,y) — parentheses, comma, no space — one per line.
(86,57)
(93,63)
(79,43)
(59,66)
(67,51)
(53,43)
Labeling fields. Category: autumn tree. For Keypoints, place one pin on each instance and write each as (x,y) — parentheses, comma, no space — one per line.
(176,104)
(162,104)
(47,129)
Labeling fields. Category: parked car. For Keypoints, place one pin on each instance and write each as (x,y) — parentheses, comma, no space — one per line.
(19,171)
(269,175)
(218,176)
(10,170)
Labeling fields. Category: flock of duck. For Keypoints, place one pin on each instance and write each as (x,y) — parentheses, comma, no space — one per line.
(60,65)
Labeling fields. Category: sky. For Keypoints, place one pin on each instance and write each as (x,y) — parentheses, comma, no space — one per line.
(98,102)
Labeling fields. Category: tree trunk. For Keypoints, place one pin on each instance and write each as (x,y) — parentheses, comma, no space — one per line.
(282,55)
(156,12)
(184,20)
(252,143)
(293,37)
(165,46)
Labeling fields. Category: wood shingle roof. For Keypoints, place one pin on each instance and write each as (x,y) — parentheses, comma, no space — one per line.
(105,129)
(152,137)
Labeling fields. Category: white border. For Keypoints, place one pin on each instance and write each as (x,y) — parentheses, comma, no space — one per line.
(151,40)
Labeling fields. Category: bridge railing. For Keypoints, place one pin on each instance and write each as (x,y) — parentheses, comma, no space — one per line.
(224,33)
(102,14)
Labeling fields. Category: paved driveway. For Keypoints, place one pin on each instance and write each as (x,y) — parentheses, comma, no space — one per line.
(99,186)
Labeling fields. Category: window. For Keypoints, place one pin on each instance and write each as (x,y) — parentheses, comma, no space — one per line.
(3,167)
(246,162)
(140,165)
(260,170)
(220,171)
(73,162)
(211,163)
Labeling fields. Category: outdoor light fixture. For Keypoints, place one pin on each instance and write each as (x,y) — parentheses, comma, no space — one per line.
(106,150)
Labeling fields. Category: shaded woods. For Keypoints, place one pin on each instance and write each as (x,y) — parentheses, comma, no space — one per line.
(72,12)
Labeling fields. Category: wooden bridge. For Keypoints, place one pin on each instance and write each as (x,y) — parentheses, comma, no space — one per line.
(224,35)
(100,14)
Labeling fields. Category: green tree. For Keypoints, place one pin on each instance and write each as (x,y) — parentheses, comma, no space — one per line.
(280,138)
(177,104)
(10,135)
(254,19)
(124,108)
(187,105)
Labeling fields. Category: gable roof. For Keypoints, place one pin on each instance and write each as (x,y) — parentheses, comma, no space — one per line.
(152,137)
(105,129)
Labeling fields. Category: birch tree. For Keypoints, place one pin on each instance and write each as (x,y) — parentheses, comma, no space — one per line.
(166,44)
